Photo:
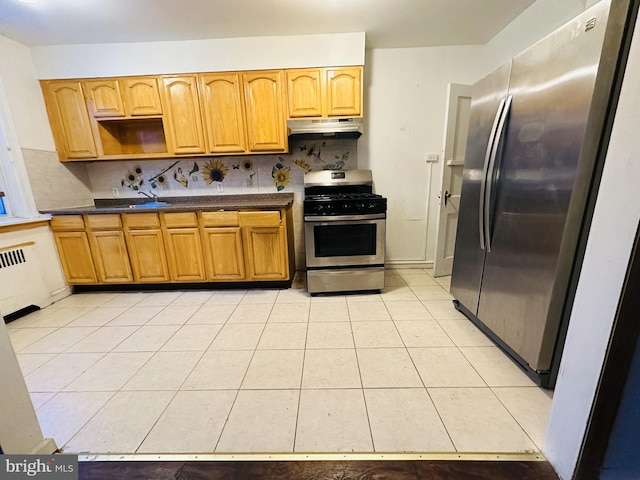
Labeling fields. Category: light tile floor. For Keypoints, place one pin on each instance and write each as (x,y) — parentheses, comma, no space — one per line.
(275,371)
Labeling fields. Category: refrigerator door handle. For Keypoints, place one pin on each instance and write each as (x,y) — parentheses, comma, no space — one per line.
(485,170)
(490,175)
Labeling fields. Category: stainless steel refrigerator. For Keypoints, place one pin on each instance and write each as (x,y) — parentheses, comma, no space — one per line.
(534,138)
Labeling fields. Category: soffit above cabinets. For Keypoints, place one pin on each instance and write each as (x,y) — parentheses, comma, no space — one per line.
(388,24)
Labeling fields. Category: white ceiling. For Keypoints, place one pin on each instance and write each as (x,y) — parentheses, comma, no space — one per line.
(387,23)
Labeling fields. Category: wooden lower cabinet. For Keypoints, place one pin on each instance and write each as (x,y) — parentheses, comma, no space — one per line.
(108,248)
(176,247)
(265,245)
(110,257)
(147,256)
(146,247)
(266,253)
(75,256)
(184,254)
(223,249)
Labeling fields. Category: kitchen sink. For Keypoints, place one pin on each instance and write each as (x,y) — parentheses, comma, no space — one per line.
(150,205)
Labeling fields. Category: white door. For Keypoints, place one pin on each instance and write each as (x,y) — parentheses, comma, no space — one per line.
(455,144)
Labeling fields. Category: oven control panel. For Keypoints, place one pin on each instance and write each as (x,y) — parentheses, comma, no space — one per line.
(333,205)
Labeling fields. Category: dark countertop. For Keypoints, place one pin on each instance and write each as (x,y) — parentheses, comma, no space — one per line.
(181,204)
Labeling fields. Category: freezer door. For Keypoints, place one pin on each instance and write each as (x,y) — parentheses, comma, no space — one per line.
(552,85)
(487,100)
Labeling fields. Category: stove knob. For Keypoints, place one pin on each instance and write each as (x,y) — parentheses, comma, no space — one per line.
(371,206)
(329,207)
(319,208)
(360,207)
(346,207)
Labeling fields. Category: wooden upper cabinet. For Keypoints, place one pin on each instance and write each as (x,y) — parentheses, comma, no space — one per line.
(304,92)
(223,112)
(122,97)
(104,98)
(182,121)
(324,92)
(142,96)
(69,120)
(264,102)
(344,91)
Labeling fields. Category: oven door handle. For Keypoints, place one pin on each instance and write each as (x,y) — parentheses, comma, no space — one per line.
(343,218)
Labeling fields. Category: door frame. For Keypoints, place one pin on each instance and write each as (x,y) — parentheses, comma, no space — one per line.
(625,331)
(441,266)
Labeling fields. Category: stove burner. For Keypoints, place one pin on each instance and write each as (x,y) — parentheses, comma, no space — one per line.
(350,193)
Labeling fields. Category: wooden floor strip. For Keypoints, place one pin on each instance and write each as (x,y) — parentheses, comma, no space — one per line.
(317,470)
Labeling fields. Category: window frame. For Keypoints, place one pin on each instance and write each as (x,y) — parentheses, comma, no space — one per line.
(14,181)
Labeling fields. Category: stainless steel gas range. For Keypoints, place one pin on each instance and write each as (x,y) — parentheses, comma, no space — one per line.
(344,228)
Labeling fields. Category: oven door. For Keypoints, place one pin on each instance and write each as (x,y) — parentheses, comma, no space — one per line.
(344,240)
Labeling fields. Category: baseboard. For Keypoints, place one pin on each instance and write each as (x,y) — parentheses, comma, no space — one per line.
(47,447)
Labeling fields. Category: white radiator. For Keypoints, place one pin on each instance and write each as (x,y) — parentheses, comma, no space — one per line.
(21,282)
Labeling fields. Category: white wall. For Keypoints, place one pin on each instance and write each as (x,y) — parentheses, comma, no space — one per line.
(615,221)
(541,18)
(405,96)
(24,96)
(20,431)
(53,184)
(256,53)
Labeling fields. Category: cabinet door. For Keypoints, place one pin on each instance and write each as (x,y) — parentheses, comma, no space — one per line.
(146,252)
(266,253)
(103,98)
(69,120)
(75,256)
(221,96)
(223,247)
(182,121)
(265,245)
(263,97)
(142,96)
(111,257)
(184,252)
(344,91)
(304,93)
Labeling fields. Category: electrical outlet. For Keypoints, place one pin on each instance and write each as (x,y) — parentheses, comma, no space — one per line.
(220,187)
(431,157)
(115,192)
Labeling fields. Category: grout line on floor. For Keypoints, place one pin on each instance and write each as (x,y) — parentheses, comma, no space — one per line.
(235,398)
(304,357)
(61,447)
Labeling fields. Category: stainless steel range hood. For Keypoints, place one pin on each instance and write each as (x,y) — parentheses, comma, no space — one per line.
(326,127)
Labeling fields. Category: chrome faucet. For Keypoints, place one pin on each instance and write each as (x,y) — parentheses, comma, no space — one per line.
(151,195)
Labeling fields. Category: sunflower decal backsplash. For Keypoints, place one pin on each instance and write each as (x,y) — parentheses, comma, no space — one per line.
(238,174)
(162,178)
(133,178)
(281,175)
(247,166)
(214,171)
